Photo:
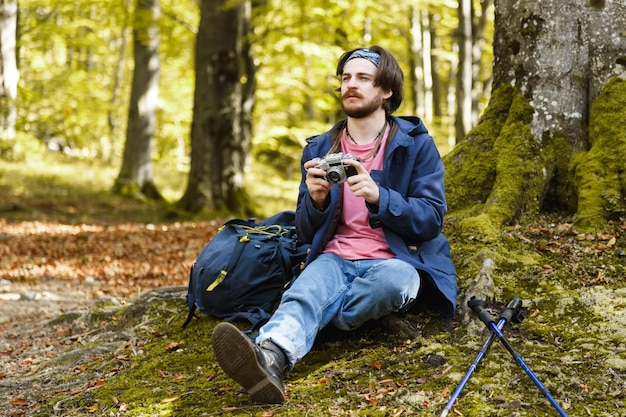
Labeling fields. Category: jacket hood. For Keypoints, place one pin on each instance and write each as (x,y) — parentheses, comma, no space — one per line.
(411,125)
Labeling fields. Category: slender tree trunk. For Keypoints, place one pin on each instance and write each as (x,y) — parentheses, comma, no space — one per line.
(428,68)
(136,174)
(481,82)
(436,67)
(463,121)
(451,97)
(223,102)
(417,62)
(9,74)
(309,102)
(106,145)
(559,67)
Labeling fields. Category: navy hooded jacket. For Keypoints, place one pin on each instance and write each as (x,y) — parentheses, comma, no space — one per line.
(410,211)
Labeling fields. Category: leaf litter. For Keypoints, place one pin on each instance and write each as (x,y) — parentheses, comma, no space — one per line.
(52,273)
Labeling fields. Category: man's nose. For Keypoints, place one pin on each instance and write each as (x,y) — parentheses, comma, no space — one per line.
(351,83)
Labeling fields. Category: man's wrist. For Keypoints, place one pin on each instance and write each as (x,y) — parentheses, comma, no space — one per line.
(321,206)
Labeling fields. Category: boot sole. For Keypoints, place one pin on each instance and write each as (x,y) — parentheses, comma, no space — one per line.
(236,356)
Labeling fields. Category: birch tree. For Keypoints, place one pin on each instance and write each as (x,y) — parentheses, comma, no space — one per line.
(8,71)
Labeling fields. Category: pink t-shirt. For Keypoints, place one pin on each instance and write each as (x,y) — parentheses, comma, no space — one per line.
(354,238)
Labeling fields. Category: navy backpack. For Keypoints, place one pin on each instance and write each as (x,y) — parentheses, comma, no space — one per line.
(242,272)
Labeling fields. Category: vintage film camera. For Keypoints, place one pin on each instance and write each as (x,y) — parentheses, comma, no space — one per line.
(336,171)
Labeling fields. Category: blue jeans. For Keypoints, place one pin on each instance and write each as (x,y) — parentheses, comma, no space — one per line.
(348,293)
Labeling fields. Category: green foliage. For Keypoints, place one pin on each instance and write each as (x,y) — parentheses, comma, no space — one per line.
(75,62)
(298,46)
(67,59)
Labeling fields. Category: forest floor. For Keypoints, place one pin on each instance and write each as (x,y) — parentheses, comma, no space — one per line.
(92,298)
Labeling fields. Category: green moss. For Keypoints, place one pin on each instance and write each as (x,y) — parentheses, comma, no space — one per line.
(599,174)
(495,170)
(128,188)
(501,174)
(519,186)
(104,310)
(470,168)
(479,227)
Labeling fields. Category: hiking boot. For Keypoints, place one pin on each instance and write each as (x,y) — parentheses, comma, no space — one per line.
(260,369)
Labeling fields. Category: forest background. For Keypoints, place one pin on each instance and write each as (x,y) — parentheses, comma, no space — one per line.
(103,103)
(77,68)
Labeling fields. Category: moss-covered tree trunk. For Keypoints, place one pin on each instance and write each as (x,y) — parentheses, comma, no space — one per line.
(550,139)
(224,96)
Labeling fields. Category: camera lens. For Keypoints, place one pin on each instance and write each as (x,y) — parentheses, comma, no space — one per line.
(334,176)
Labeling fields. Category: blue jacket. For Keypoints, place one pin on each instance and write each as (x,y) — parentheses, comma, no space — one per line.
(411,208)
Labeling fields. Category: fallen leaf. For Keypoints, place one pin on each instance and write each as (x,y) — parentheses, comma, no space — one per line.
(229,408)
(170,400)
(92,408)
(173,345)
(18,401)
(59,391)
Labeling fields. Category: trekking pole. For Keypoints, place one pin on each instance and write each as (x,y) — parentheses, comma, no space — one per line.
(478,307)
(511,312)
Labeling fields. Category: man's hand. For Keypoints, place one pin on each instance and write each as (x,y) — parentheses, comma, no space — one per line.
(316,183)
(362,184)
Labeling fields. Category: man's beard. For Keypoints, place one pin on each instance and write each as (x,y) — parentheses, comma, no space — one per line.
(362,109)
